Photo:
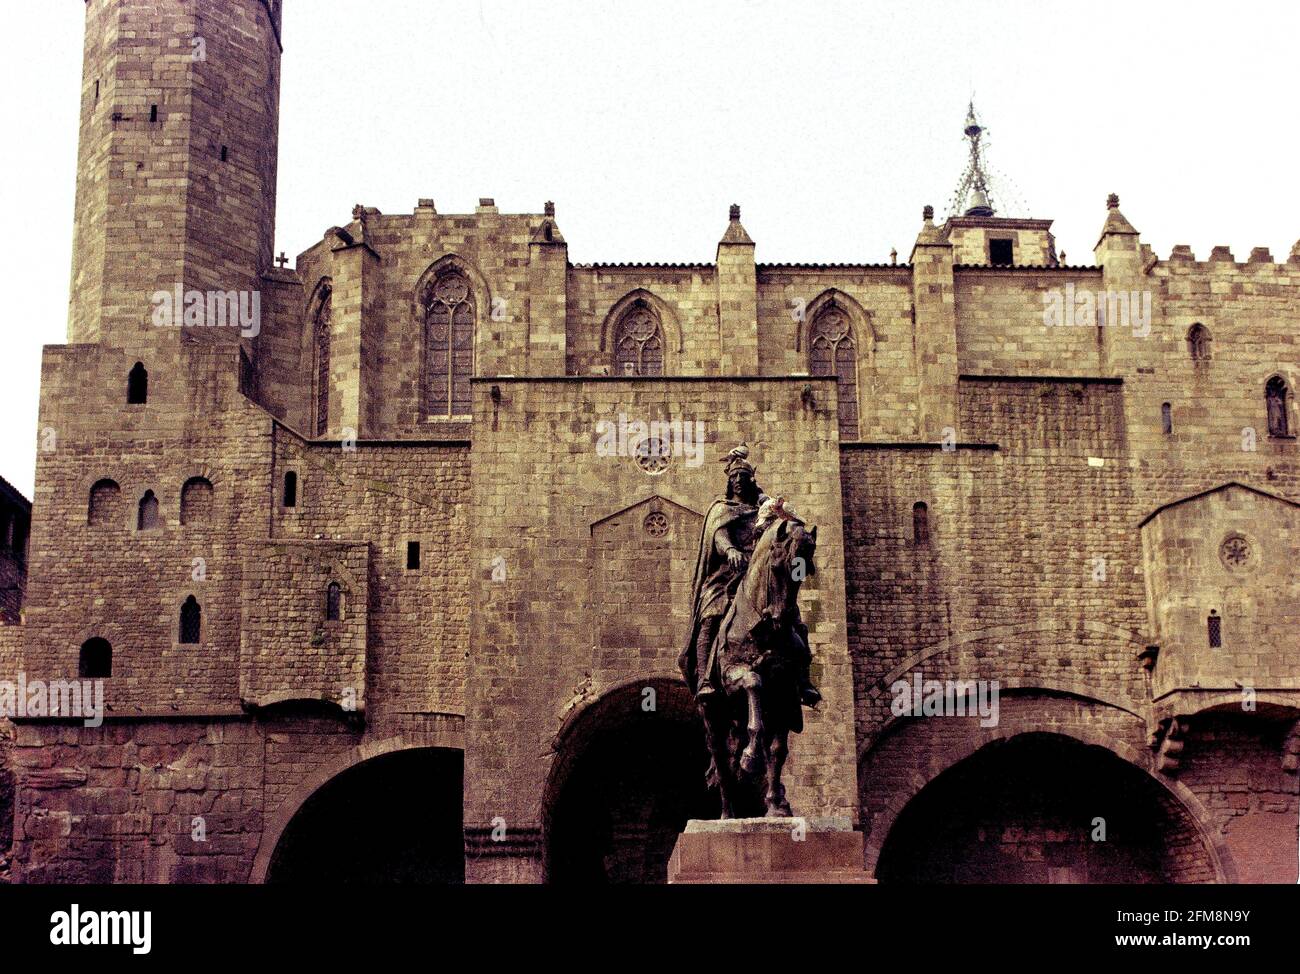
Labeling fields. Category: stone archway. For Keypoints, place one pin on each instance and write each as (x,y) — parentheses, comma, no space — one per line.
(384,813)
(1042,808)
(624,781)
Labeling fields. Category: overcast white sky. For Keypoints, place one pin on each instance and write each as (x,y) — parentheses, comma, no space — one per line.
(832,123)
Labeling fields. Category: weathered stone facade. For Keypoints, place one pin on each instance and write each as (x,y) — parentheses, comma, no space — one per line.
(391,506)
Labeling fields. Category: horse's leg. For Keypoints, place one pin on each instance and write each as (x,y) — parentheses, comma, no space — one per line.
(777,749)
(716,727)
(751,760)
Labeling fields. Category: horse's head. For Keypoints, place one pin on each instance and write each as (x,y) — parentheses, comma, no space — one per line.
(797,544)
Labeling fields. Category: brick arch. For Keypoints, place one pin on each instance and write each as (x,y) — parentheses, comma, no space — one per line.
(882,823)
(585,719)
(1065,688)
(999,632)
(279,820)
(672,328)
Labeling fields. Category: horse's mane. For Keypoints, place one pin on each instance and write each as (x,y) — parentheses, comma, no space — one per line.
(767,585)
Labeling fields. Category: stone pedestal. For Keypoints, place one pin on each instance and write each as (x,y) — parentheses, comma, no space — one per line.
(768,850)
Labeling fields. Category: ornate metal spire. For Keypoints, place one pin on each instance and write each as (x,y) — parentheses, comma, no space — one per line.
(973,196)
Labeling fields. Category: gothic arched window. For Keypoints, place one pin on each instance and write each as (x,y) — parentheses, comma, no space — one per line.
(321,346)
(448,345)
(1198,342)
(831,351)
(333,602)
(638,342)
(105,508)
(1275,400)
(137,385)
(95,661)
(191,629)
(196,501)
(147,516)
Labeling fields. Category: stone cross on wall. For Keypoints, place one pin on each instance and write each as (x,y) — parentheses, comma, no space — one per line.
(283,259)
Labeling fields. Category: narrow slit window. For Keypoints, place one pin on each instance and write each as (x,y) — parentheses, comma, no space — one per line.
(920,524)
(224,153)
(1166,418)
(290,489)
(153,113)
(191,628)
(137,385)
(333,602)
(1275,399)
(1214,629)
(412,555)
(147,518)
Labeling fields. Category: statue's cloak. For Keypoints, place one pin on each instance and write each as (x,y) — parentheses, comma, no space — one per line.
(714,582)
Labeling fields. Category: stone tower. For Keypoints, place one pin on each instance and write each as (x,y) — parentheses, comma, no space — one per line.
(176,167)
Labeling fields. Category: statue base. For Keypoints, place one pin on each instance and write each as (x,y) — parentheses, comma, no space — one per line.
(768,850)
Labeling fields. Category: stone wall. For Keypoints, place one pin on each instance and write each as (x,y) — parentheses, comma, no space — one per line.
(545,503)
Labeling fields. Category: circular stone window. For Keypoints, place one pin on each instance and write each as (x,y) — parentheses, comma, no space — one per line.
(652,455)
(1237,553)
(656,524)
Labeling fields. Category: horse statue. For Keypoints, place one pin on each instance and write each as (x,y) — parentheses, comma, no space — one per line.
(762,658)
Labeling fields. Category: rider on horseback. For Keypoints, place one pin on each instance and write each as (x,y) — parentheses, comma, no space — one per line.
(731,529)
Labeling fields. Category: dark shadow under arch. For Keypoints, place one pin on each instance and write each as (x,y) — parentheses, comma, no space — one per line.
(623,784)
(1026,809)
(394,818)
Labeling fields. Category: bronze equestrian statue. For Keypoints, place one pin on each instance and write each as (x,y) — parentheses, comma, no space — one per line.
(747,658)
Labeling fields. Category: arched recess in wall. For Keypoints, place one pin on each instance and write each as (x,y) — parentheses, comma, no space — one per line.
(147,518)
(622,784)
(449,303)
(836,335)
(898,818)
(1199,345)
(105,505)
(630,316)
(95,659)
(277,823)
(1278,405)
(196,502)
(316,354)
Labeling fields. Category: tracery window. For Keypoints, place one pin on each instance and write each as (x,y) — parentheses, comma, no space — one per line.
(639,342)
(324,314)
(831,351)
(449,319)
